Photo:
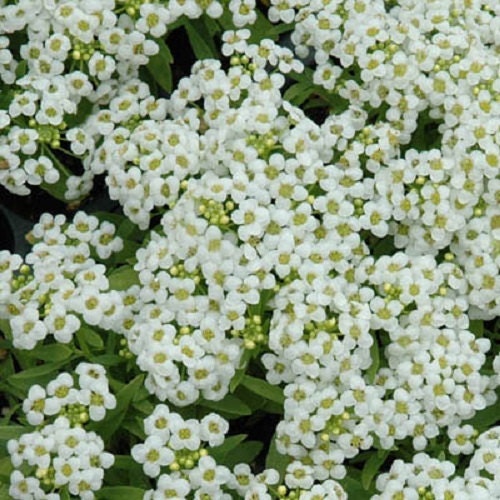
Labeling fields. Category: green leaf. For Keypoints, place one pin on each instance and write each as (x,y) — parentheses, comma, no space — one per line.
(107,359)
(58,189)
(120,493)
(21,69)
(354,488)
(299,92)
(219,453)
(262,28)
(89,337)
(115,417)
(123,278)
(5,327)
(486,418)
(275,460)
(52,352)
(263,389)
(372,466)
(476,326)
(201,40)
(83,112)
(230,405)
(64,493)
(246,453)
(39,375)
(4,490)
(159,66)
(5,469)
(11,431)
(127,230)
(372,371)
(236,380)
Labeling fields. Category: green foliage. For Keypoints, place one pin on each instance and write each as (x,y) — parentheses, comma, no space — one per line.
(120,492)
(159,66)
(37,375)
(220,453)
(230,407)
(122,278)
(51,352)
(201,39)
(372,467)
(276,460)
(372,371)
(263,389)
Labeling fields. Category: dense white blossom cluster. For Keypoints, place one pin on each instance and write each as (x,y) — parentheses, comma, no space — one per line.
(59,283)
(184,447)
(427,477)
(345,258)
(61,453)
(74,54)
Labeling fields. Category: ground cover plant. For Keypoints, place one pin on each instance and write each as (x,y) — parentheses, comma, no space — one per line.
(292,291)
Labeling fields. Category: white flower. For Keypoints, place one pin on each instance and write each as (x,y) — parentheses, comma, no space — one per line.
(185,434)
(152,454)
(61,323)
(158,423)
(213,429)
(22,487)
(27,329)
(175,487)
(92,376)
(98,402)
(299,475)
(208,474)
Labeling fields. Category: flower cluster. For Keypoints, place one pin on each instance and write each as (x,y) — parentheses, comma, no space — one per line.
(59,283)
(74,54)
(427,477)
(62,454)
(408,70)
(350,259)
(185,446)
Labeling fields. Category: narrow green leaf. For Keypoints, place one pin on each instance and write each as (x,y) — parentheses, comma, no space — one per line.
(107,359)
(299,92)
(219,453)
(58,189)
(476,326)
(275,460)
(262,28)
(263,389)
(372,371)
(4,490)
(246,453)
(11,431)
(123,278)
(39,375)
(236,380)
(64,493)
(200,39)
(486,418)
(159,66)
(231,405)
(354,488)
(84,110)
(127,230)
(120,492)
(5,469)
(90,337)
(21,69)
(52,352)
(371,467)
